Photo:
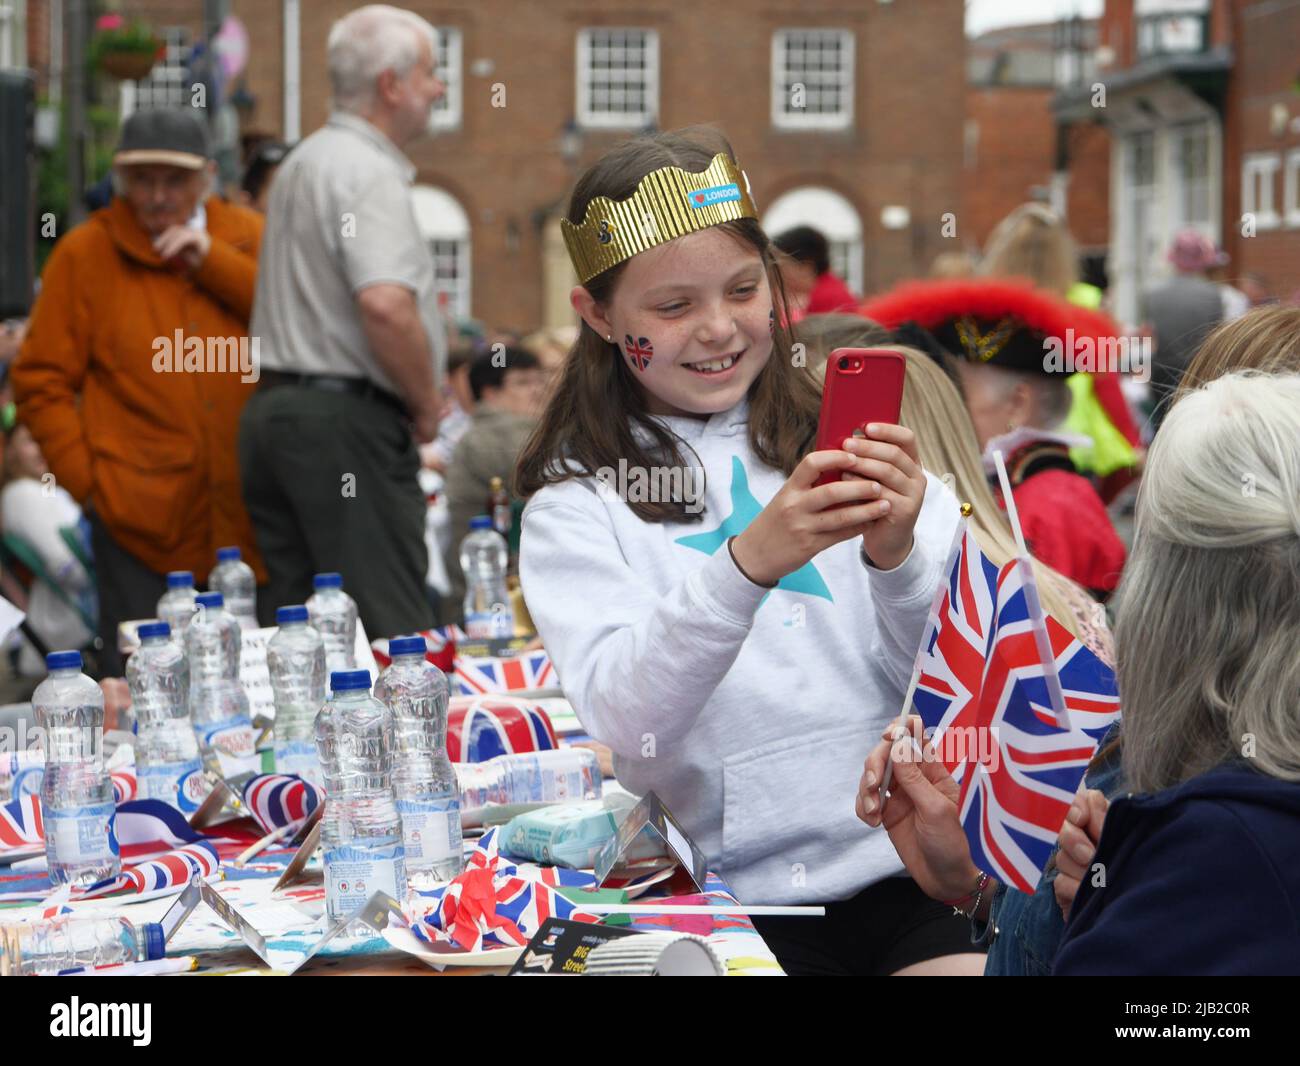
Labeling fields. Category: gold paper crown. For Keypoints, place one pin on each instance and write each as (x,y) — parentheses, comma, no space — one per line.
(668,203)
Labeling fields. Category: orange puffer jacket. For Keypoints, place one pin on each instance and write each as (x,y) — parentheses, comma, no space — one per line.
(119,380)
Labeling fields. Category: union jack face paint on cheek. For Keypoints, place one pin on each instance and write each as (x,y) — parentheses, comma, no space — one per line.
(639,350)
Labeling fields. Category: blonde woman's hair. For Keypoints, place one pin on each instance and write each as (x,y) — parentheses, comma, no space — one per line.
(952,265)
(1209,606)
(1265,338)
(933,409)
(1033,242)
(822,334)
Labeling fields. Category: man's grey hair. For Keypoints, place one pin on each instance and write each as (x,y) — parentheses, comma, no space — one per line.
(1208,635)
(366,42)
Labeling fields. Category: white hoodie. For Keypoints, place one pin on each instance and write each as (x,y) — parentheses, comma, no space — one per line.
(750,713)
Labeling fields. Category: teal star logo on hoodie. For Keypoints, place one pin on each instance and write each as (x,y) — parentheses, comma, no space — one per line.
(744,509)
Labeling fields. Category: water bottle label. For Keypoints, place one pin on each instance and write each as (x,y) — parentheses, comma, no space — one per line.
(76,836)
(489,625)
(353,875)
(181,784)
(299,757)
(235,745)
(430,829)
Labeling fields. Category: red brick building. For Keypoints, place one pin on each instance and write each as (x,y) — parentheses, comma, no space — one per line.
(1014,148)
(839,113)
(1200,100)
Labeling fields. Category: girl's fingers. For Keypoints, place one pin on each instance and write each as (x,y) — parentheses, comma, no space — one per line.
(885,452)
(840,523)
(854,490)
(886,473)
(814,464)
(895,434)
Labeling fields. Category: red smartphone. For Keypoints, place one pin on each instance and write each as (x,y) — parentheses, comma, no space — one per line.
(862,385)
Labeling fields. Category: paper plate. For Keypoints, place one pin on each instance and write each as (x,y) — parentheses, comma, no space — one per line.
(440,957)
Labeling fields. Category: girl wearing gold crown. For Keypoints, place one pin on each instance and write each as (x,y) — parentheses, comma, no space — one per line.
(736,639)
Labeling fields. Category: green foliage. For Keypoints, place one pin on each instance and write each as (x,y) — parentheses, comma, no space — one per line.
(52,193)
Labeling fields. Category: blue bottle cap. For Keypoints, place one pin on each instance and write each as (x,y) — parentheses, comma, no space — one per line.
(480,521)
(347,680)
(210,599)
(407,646)
(330,580)
(155,940)
(285,615)
(154,629)
(180,579)
(227,555)
(63,660)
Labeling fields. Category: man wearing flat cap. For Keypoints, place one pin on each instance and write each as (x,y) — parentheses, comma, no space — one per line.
(137,364)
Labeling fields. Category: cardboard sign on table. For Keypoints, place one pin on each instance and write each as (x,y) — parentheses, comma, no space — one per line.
(650,822)
(376,914)
(199,891)
(224,802)
(296,872)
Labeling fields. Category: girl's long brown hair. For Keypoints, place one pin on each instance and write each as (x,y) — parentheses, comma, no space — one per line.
(597,408)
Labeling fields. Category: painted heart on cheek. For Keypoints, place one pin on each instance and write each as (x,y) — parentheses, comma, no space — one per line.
(640,350)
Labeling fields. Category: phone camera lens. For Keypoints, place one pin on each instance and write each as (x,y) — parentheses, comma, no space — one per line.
(844,362)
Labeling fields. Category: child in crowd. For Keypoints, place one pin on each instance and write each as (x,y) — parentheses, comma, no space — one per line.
(736,639)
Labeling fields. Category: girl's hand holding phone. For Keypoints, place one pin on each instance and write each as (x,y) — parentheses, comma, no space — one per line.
(796,525)
(888,456)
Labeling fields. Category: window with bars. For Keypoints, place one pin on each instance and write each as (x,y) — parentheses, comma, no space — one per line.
(1258,172)
(166,85)
(618,77)
(1192,163)
(451,276)
(1291,197)
(812,79)
(13,34)
(446,114)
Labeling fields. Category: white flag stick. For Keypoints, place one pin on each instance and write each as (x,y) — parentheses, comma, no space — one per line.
(686,909)
(1037,619)
(931,620)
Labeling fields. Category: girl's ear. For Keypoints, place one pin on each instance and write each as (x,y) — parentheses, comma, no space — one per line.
(590,311)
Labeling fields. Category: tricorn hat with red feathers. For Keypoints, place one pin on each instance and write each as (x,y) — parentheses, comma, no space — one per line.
(989,320)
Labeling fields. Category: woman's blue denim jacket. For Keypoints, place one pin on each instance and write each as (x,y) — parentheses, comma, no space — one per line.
(1029,928)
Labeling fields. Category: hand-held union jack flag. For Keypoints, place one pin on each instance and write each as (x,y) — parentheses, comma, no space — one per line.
(983,680)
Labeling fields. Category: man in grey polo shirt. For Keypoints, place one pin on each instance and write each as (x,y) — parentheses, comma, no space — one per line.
(345,317)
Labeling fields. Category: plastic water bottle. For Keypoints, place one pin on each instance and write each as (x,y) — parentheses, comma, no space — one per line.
(235,580)
(295,657)
(176,607)
(167,761)
(428,797)
(218,703)
(57,944)
(361,831)
(76,793)
(483,559)
(334,616)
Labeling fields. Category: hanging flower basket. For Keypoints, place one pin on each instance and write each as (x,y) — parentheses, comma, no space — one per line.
(125,50)
(128,66)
